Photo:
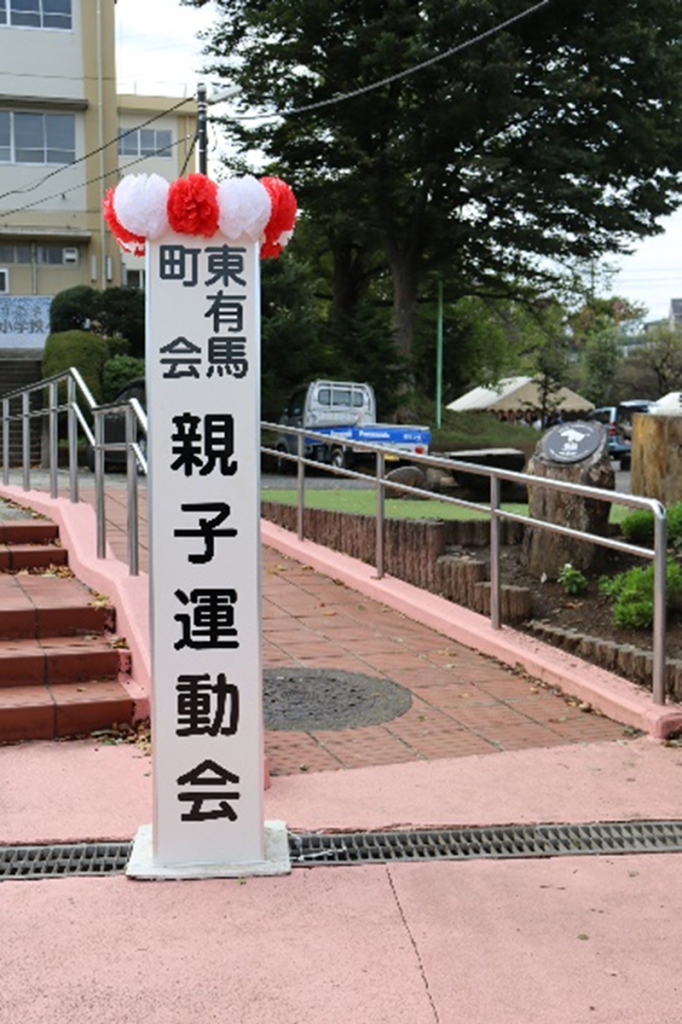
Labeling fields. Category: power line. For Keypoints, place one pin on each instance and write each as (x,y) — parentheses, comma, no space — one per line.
(94,152)
(391,78)
(90,181)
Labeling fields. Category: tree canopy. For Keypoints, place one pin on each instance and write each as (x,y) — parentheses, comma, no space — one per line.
(556,138)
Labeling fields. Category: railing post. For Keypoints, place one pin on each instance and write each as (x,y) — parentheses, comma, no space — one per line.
(72,428)
(5,441)
(380,516)
(99,486)
(54,438)
(300,487)
(26,440)
(131,483)
(495,616)
(660,573)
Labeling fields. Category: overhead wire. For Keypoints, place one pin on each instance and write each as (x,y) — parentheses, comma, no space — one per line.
(390,78)
(189,154)
(94,152)
(297,110)
(91,181)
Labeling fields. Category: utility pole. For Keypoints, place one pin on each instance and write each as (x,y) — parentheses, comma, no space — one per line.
(439,355)
(201,129)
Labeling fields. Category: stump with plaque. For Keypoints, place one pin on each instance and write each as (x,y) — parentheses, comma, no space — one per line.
(573,453)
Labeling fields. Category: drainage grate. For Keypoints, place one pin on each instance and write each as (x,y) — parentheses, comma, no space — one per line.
(64,859)
(308,849)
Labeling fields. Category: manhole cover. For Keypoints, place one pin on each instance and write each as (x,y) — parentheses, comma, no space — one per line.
(304,699)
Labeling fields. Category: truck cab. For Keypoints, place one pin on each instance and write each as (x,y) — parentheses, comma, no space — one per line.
(326,403)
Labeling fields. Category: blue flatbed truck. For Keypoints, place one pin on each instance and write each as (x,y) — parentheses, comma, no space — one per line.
(345,411)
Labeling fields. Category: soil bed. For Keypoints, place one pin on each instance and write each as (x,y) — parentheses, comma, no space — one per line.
(589,614)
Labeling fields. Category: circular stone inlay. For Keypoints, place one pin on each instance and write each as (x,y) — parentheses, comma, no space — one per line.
(304,699)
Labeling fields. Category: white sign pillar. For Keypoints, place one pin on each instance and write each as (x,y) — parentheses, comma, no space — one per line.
(203,388)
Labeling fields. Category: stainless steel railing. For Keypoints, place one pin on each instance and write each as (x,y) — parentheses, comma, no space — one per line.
(496,477)
(81,411)
(67,396)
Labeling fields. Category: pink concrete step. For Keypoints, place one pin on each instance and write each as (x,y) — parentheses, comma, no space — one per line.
(14,557)
(42,606)
(28,531)
(61,709)
(29,661)
(60,664)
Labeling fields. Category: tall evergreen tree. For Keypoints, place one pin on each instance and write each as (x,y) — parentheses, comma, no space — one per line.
(552,139)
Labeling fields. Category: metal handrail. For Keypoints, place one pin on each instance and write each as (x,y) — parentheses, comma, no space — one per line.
(136,419)
(77,413)
(496,476)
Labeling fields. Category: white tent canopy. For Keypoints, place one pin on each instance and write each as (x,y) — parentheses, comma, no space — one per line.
(514,393)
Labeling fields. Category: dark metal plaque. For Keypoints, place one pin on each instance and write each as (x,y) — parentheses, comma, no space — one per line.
(572,442)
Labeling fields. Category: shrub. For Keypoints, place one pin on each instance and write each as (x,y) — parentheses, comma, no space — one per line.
(120,313)
(82,349)
(638,526)
(118,372)
(73,309)
(633,594)
(675,526)
(572,580)
(115,313)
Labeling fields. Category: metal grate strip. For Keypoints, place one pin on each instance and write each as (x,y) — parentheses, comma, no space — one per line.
(309,849)
(510,841)
(63,859)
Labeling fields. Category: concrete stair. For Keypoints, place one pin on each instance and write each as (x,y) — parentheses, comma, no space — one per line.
(60,661)
(18,368)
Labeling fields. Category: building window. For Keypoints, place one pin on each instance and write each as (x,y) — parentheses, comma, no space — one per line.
(15,253)
(134,278)
(53,255)
(4,282)
(145,142)
(36,13)
(37,138)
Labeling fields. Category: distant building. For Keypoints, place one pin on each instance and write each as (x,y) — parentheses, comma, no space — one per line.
(675,315)
(60,122)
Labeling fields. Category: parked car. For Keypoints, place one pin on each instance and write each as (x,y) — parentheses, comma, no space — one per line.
(115,426)
(618,422)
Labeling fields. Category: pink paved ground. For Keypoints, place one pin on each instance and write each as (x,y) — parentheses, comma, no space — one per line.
(562,941)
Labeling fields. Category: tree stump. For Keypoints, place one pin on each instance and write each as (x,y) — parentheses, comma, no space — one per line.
(656,465)
(547,552)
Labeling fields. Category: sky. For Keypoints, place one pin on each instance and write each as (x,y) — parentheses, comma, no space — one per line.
(157,52)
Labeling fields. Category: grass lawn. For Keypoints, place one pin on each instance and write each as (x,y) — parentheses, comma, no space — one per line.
(363,502)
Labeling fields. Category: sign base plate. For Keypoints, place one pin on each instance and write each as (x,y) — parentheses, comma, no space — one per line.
(141,864)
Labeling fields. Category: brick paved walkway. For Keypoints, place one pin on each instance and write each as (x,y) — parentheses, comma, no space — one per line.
(462,702)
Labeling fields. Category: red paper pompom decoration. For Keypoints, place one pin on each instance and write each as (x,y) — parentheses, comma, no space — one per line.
(126,239)
(282,218)
(193,206)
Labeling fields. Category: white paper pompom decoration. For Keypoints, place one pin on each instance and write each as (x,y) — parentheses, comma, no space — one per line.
(245,208)
(140,204)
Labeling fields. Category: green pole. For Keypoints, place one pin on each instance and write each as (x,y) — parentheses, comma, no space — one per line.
(439,354)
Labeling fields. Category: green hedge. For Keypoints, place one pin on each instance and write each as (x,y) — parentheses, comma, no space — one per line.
(82,349)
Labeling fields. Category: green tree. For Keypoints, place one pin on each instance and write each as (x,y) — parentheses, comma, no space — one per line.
(556,137)
(82,349)
(656,365)
(73,309)
(601,354)
(291,352)
(120,313)
(114,313)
